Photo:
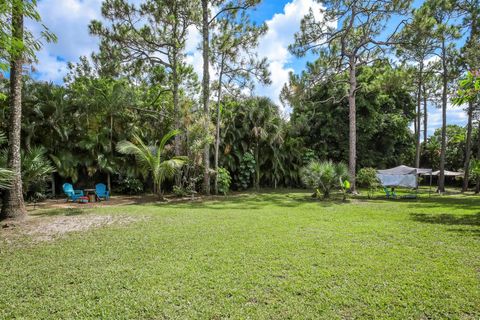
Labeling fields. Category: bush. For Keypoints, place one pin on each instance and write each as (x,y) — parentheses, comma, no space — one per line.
(224,180)
(247,170)
(179,191)
(129,185)
(324,176)
(367,177)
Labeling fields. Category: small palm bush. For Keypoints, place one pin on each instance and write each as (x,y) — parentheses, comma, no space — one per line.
(36,169)
(324,176)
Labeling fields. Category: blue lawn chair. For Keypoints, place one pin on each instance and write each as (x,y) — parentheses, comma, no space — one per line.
(74,195)
(390,194)
(101,191)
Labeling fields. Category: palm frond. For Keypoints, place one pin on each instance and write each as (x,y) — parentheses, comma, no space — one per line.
(3,138)
(6,177)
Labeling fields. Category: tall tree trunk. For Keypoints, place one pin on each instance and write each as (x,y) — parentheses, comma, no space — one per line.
(109,182)
(176,108)
(441,178)
(217,125)
(425,117)
(257,167)
(352,159)
(176,111)
(13,205)
(477,187)
(468,148)
(473,39)
(419,117)
(206,94)
(52,177)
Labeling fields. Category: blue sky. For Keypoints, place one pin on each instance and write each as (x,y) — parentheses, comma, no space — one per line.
(69,20)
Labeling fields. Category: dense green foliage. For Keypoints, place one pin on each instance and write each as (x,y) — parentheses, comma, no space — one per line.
(36,169)
(384,109)
(224,181)
(367,177)
(125,91)
(153,159)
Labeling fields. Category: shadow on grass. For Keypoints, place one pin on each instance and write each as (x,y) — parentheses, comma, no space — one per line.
(454,202)
(59,212)
(466,221)
(258,200)
(448,219)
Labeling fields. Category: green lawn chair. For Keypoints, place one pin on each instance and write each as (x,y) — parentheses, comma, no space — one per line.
(390,193)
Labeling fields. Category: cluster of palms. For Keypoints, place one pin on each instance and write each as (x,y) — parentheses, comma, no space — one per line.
(352,98)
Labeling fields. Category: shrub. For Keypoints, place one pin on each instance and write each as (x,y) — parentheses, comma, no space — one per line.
(367,177)
(129,185)
(36,170)
(324,176)
(224,180)
(179,191)
(247,170)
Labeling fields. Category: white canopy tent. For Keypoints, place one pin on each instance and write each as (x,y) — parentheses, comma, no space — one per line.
(449,173)
(402,176)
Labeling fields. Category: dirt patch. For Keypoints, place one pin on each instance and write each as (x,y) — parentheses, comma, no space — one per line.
(39,229)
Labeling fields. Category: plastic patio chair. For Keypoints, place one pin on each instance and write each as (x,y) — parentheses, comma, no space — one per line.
(73,195)
(101,191)
(390,194)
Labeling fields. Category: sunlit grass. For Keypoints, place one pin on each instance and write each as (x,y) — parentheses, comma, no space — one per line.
(272,255)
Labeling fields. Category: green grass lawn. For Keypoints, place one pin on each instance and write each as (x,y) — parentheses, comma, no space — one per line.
(265,256)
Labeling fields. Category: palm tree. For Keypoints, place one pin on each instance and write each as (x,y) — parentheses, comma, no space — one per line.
(151,158)
(35,170)
(325,176)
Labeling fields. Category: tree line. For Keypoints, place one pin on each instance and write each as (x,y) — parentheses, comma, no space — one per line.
(368,82)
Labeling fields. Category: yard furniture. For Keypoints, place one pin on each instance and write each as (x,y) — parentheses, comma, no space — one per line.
(91,195)
(73,195)
(390,193)
(101,191)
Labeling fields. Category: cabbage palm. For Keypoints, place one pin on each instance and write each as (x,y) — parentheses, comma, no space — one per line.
(325,176)
(151,159)
(36,167)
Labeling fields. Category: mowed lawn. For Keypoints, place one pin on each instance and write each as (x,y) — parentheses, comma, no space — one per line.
(264,256)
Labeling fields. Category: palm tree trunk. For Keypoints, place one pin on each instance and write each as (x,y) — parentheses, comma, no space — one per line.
(206,93)
(468,148)
(217,126)
(352,159)
(441,178)
(13,204)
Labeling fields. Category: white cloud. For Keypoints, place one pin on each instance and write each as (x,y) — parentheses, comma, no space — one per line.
(69,20)
(455,115)
(274,45)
